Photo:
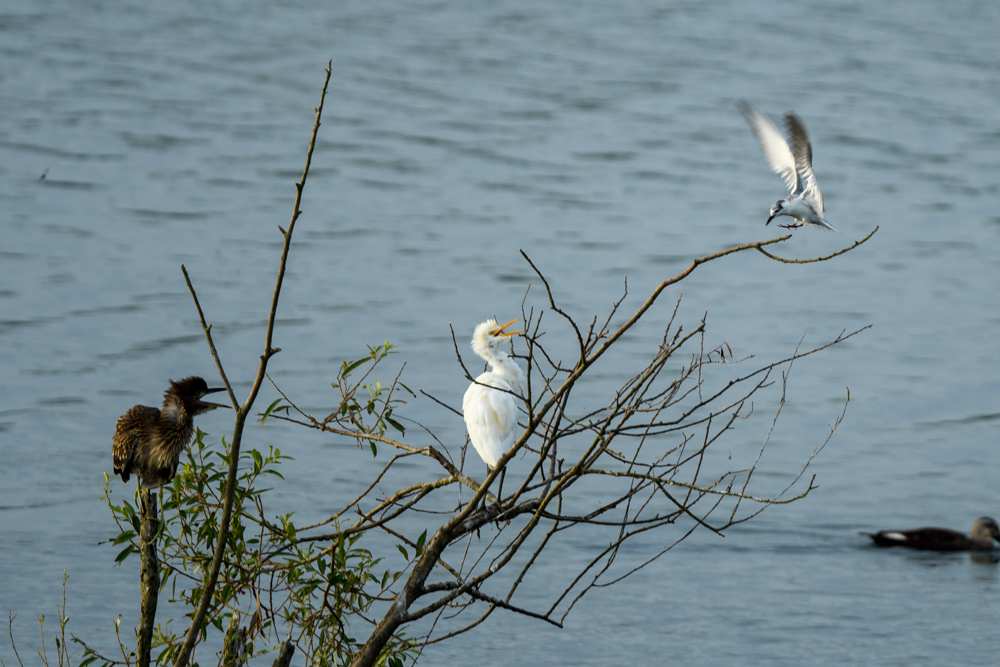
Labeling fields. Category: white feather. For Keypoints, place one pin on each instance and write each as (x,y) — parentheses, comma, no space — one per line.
(489,405)
(775,148)
(793,164)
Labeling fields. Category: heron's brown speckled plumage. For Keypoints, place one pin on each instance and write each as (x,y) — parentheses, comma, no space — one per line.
(148,441)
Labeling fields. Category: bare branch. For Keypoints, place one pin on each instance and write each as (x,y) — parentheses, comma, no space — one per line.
(823,258)
(198,617)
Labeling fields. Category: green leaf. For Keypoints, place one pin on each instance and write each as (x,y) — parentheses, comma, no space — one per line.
(395,424)
(403,551)
(124,537)
(270,409)
(125,553)
(348,367)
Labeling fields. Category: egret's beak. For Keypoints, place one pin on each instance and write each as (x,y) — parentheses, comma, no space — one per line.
(499,331)
(214,405)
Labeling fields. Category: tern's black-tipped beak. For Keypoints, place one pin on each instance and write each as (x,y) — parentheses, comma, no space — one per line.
(769,221)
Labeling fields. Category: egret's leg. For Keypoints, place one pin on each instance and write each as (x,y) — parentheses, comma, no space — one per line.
(500,489)
(497,508)
(482,501)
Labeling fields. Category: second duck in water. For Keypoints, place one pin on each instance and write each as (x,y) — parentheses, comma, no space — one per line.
(985,536)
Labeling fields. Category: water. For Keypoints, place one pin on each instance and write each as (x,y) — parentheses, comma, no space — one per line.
(602,140)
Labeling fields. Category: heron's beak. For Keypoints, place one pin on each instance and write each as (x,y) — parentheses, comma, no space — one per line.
(499,331)
(214,405)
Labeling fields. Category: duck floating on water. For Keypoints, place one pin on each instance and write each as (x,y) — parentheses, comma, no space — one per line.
(984,536)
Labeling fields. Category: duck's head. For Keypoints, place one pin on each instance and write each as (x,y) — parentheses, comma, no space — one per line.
(985,528)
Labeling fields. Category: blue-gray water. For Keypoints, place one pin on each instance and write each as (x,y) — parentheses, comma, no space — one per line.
(601,138)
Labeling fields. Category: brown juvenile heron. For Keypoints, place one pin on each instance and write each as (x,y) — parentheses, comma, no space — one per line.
(148,442)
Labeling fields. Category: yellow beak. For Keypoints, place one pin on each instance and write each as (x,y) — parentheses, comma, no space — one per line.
(499,331)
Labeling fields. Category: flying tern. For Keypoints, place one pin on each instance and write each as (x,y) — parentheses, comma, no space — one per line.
(793,164)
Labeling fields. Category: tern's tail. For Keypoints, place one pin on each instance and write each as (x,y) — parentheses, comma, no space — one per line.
(826,225)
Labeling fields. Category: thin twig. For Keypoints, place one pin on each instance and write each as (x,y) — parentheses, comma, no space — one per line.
(198,618)
(820,259)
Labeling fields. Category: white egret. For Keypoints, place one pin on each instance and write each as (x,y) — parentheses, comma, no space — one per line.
(793,164)
(489,405)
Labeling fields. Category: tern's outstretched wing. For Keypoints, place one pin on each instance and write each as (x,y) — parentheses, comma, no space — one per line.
(775,148)
(802,150)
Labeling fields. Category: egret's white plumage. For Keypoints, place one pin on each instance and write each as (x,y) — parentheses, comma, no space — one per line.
(793,164)
(489,407)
